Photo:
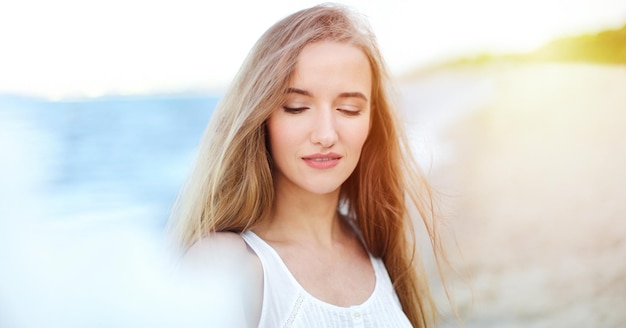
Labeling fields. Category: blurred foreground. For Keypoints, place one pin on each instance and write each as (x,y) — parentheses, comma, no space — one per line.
(85,190)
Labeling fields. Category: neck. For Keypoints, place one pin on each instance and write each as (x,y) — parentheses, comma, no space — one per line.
(303,217)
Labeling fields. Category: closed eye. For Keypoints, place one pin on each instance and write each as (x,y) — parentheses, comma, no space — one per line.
(349,112)
(294,110)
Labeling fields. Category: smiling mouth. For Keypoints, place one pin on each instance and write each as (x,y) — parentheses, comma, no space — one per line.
(322,161)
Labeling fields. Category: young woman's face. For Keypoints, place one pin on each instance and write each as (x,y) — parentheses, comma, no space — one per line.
(317,136)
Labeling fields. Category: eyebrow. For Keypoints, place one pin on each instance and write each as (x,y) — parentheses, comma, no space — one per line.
(352,95)
(341,95)
(299,91)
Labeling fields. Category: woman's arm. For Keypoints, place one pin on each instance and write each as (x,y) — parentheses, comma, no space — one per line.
(225,264)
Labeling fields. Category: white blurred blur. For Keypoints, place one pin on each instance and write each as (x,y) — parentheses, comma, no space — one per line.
(82,248)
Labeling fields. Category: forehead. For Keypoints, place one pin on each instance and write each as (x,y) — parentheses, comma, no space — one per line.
(332,66)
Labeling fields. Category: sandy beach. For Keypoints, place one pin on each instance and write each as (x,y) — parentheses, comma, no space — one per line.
(530,160)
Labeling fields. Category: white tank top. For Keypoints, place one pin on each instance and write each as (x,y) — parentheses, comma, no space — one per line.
(287,304)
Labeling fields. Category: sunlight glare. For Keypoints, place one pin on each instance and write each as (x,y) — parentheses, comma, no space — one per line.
(71,48)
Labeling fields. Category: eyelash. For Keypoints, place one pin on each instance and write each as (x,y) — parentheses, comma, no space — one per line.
(350,112)
(297,110)
(294,110)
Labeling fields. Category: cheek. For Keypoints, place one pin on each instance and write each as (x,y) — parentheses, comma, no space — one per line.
(280,136)
(360,134)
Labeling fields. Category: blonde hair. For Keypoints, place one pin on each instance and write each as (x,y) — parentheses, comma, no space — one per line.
(231,187)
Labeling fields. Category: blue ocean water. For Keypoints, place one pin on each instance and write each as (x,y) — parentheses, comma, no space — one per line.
(86,188)
(107,153)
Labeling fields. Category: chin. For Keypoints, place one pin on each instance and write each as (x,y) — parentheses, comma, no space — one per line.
(323,189)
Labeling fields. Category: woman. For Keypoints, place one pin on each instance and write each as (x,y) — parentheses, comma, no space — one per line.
(301,185)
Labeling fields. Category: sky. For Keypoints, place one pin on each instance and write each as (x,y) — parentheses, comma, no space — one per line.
(75,48)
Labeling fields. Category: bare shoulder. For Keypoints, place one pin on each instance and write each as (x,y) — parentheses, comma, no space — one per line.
(220,250)
(223,262)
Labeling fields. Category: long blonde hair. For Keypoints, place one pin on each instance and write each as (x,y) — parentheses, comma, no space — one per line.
(231,187)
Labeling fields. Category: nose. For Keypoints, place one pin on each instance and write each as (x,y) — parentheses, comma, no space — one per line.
(324,132)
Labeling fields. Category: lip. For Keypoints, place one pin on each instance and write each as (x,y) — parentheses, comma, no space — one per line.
(322,161)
